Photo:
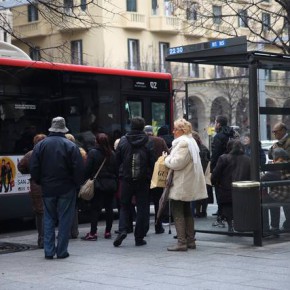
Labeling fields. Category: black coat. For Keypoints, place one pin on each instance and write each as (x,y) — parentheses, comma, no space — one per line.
(230,168)
(57,165)
(136,139)
(94,161)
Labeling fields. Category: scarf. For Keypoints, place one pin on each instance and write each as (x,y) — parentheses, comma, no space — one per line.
(192,146)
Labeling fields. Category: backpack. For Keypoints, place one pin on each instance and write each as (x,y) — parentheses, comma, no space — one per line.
(137,162)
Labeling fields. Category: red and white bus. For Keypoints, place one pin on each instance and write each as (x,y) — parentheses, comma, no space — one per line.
(91,99)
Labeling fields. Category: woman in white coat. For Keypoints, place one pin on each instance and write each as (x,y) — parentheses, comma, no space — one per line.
(188,183)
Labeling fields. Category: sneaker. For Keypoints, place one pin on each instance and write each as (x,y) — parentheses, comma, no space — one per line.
(90,237)
(107,235)
(118,241)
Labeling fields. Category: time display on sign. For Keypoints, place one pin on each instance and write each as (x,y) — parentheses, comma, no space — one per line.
(176,50)
(197,47)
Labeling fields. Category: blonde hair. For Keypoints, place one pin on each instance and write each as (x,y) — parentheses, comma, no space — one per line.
(83,152)
(37,138)
(70,137)
(183,125)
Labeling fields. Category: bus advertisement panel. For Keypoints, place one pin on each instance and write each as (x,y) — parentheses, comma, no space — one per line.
(12,181)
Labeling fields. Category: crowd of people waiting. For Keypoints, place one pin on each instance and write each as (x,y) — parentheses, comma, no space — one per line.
(58,168)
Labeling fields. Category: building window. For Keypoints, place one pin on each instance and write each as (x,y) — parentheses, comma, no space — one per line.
(266,21)
(168,8)
(217,14)
(34,53)
(154,7)
(5,38)
(32,12)
(243,18)
(132,5)
(191,12)
(133,54)
(68,6)
(77,52)
(193,70)
(163,48)
(83,5)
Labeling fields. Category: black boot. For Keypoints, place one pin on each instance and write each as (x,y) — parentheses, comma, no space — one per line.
(159,229)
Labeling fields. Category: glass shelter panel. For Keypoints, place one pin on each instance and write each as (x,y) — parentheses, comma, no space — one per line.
(229,97)
(274,129)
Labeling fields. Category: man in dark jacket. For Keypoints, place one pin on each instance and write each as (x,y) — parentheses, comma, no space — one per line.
(136,155)
(219,147)
(57,165)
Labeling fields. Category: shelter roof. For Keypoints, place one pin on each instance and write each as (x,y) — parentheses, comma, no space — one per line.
(228,52)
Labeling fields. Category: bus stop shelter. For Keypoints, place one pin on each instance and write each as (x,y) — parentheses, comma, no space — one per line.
(233,52)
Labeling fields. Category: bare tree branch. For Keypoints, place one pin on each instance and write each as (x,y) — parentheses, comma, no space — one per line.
(264,24)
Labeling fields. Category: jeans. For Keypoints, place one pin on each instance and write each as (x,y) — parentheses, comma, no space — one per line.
(139,189)
(58,209)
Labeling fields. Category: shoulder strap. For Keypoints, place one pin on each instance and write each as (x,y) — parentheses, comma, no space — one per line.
(100,168)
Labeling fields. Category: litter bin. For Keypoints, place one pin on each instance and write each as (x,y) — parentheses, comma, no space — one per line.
(246,206)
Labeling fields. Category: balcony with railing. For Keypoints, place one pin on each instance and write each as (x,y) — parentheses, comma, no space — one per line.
(190,28)
(167,24)
(133,20)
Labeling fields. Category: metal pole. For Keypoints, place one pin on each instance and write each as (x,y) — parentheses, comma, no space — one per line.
(254,121)
(254,136)
(186,102)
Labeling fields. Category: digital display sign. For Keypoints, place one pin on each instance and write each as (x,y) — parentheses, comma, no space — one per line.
(236,42)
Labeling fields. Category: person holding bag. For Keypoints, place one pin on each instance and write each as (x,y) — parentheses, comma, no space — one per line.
(106,184)
(188,183)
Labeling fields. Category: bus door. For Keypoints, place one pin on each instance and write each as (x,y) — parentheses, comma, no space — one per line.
(153,110)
